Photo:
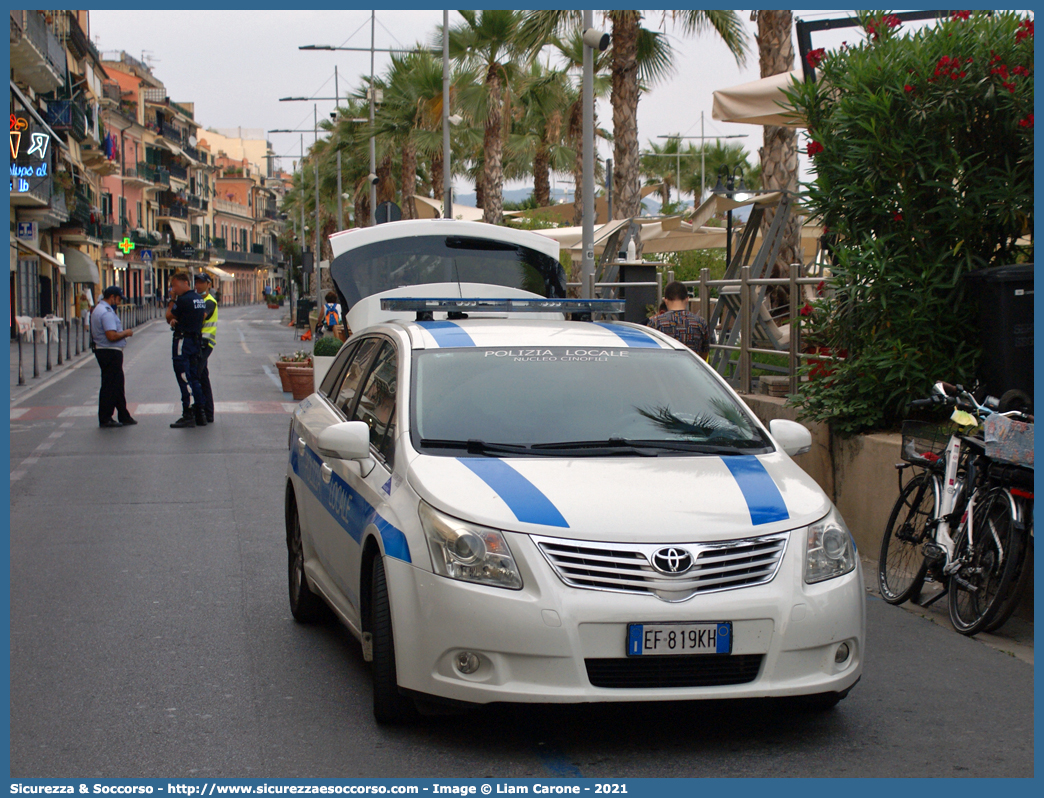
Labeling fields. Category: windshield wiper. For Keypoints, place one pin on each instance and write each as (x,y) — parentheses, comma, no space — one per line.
(647,448)
(475,446)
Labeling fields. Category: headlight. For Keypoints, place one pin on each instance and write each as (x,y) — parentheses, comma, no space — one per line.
(829,551)
(468,552)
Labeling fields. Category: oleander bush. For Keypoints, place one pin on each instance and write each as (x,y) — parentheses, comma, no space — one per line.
(922,150)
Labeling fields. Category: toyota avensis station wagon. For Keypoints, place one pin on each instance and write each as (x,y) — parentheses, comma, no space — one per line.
(512,506)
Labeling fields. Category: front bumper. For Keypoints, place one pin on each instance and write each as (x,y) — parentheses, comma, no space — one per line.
(546,642)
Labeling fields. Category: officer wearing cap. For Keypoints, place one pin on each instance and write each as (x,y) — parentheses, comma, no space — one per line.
(185,316)
(108,338)
(210,319)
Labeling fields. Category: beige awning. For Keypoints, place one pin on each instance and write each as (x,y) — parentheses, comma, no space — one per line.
(760,102)
(79,267)
(221,274)
(428,208)
(717,203)
(41,254)
(180,230)
(562,213)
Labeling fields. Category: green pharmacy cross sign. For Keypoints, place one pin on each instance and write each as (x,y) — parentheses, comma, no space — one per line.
(126,245)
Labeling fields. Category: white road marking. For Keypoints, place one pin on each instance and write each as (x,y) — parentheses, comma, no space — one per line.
(90,410)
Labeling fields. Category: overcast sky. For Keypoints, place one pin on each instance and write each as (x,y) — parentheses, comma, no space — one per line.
(235,65)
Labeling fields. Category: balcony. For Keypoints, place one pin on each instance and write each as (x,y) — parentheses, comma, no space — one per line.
(77,41)
(180,172)
(111,233)
(30,191)
(232,208)
(70,116)
(81,209)
(37,57)
(111,91)
(235,256)
(172,133)
(217,243)
(173,212)
(149,174)
(192,152)
(196,205)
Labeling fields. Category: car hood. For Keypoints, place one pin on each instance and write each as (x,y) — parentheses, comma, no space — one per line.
(664,499)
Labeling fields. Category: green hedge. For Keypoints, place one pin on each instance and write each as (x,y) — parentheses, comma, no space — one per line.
(922,150)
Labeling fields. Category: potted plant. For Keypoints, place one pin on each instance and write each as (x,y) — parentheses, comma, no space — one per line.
(324,352)
(275,300)
(285,362)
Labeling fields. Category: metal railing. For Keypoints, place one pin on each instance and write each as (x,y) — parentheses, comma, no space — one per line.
(747,310)
(36,30)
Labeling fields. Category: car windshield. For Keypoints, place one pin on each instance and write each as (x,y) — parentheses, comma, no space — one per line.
(420,260)
(560,401)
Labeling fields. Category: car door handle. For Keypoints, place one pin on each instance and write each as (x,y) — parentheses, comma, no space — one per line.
(326,471)
(300,446)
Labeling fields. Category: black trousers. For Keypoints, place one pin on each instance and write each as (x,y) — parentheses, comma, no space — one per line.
(111,397)
(204,380)
(186,370)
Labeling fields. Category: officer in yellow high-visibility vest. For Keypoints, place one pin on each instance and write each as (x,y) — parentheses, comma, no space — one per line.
(210,320)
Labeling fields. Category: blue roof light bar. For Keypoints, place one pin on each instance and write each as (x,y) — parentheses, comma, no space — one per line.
(455,305)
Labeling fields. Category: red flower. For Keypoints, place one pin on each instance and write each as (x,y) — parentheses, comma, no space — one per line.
(1025,30)
(892,21)
(813,148)
(1027,122)
(1009,86)
(807,310)
(897,216)
(962,15)
(908,88)
(820,286)
(815,56)
(1020,70)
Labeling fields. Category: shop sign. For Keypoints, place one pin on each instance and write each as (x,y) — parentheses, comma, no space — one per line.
(30,150)
(29,233)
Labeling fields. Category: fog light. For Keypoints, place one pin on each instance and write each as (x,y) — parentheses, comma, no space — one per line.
(841,654)
(467,662)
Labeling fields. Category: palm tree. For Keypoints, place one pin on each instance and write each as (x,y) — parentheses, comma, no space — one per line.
(544,97)
(412,106)
(488,39)
(779,156)
(629,42)
(715,156)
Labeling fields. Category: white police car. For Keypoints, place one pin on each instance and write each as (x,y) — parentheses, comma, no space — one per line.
(517,507)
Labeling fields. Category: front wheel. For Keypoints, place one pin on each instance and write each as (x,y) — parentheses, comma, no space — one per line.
(389,705)
(901,568)
(305,606)
(989,564)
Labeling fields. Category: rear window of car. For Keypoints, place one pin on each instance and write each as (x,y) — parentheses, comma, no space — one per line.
(556,395)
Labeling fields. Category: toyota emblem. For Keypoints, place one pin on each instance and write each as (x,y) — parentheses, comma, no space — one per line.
(672,561)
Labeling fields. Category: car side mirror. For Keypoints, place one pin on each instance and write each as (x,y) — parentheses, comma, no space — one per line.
(348,440)
(792,437)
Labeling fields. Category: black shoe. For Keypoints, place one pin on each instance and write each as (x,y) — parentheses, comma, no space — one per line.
(129,422)
(201,421)
(110,423)
(210,419)
(184,421)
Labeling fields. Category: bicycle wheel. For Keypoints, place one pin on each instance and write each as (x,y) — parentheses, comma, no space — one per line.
(1023,577)
(901,567)
(989,563)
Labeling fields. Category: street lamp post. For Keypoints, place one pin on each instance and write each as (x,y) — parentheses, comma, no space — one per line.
(733,180)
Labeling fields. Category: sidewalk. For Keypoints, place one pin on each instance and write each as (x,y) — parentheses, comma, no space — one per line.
(1014,638)
(21,392)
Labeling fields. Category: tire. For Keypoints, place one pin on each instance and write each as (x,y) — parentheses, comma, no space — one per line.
(389,705)
(1015,400)
(305,606)
(1023,578)
(977,592)
(901,568)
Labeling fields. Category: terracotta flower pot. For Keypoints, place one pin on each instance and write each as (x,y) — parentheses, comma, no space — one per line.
(284,379)
(302,381)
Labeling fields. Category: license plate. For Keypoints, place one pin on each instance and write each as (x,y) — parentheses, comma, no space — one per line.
(645,639)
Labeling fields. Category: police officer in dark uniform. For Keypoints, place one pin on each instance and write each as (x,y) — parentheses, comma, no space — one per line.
(185,315)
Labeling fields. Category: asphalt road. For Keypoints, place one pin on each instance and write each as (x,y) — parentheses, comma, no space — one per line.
(151,637)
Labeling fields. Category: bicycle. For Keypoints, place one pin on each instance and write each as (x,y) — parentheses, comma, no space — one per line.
(983,567)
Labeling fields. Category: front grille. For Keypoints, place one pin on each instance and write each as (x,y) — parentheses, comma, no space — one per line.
(628,568)
(698,670)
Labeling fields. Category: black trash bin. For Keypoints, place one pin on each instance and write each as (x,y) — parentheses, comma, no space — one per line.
(639,297)
(1005,299)
(304,307)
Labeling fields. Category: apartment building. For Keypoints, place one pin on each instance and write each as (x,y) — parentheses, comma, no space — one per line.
(60,152)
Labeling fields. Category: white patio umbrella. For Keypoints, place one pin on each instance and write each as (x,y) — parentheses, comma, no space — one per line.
(760,102)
